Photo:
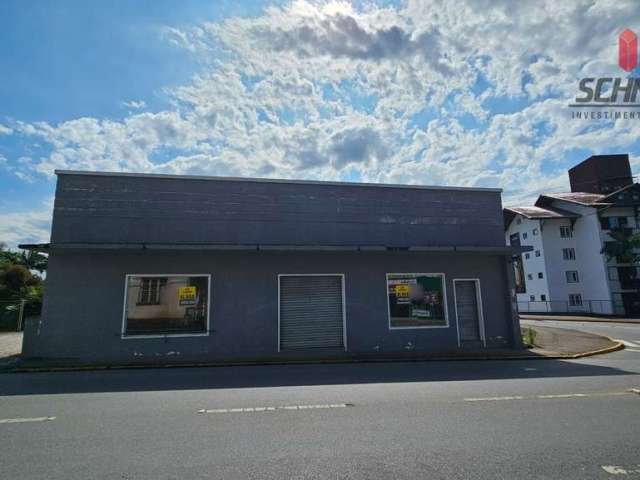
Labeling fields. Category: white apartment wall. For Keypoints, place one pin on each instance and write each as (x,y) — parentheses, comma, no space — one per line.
(590,263)
(557,266)
(532,265)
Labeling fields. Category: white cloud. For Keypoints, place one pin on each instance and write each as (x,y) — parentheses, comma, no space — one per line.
(135,105)
(325,90)
(31,226)
(5,130)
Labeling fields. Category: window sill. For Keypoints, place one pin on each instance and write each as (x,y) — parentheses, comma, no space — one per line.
(128,336)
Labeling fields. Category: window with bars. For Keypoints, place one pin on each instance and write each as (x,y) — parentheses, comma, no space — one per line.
(566,232)
(568,254)
(575,300)
(150,291)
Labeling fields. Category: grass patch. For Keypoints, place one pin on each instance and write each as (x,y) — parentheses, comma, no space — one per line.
(529,337)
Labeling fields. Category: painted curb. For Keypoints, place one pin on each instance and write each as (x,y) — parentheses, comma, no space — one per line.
(544,318)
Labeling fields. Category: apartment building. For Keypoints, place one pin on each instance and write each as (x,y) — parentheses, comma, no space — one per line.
(567,270)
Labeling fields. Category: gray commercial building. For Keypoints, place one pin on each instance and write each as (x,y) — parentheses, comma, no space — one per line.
(163,268)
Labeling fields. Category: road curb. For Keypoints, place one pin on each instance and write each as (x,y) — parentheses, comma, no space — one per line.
(614,348)
(539,356)
(543,318)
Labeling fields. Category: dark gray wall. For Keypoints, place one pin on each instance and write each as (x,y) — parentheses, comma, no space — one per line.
(82,315)
(105,209)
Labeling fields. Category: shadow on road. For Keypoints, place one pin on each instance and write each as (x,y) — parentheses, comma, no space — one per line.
(200,378)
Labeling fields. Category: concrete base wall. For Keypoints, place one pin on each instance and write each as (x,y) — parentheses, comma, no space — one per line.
(83,309)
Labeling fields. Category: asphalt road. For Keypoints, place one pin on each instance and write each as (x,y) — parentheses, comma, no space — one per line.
(419,420)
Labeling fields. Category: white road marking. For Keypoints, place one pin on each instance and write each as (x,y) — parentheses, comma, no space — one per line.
(617,470)
(491,399)
(546,397)
(26,420)
(626,343)
(273,409)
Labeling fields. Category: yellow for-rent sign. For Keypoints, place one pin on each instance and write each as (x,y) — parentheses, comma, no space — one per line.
(402,290)
(187,295)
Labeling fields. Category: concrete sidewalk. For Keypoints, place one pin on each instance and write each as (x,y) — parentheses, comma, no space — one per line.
(579,318)
(567,343)
(10,348)
(553,343)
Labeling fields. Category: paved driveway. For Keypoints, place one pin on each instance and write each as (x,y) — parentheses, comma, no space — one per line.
(10,344)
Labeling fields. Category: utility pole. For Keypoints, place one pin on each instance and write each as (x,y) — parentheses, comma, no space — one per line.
(20,314)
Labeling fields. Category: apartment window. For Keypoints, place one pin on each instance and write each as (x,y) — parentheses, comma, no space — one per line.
(540,275)
(537,253)
(519,221)
(529,276)
(532,298)
(524,235)
(628,277)
(568,254)
(543,298)
(613,273)
(527,256)
(416,300)
(535,231)
(610,223)
(575,299)
(166,304)
(566,232)
(572,276)
(149,291)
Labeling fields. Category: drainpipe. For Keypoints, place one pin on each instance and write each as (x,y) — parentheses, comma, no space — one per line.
(516,334)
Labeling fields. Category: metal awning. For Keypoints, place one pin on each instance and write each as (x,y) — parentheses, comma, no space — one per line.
(487,250)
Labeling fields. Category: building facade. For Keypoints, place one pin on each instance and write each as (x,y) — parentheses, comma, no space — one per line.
(569,269)
(158,268)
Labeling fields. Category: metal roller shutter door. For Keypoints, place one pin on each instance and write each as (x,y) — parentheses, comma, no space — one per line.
(467,310)
(311,312)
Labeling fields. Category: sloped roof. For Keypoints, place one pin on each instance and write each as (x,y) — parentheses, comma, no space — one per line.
(539,212)
(614,197)
(580,198)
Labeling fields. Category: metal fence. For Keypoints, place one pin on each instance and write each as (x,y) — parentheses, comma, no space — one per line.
(597,307)
(12,315)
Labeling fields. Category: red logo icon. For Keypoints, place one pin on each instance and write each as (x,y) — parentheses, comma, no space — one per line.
(628,50)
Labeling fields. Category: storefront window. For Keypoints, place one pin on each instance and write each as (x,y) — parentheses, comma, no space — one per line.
(173,304)
(416,300)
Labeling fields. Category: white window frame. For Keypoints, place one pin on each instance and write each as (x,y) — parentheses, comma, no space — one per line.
(445,300)
(479,303)
(569,276)
(344,303)
(572,297)
(569,231)
(123,332)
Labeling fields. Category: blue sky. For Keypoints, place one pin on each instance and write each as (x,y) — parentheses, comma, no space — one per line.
(402,92)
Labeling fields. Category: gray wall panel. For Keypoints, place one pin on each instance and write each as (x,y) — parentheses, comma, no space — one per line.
(83,309)
(100,208)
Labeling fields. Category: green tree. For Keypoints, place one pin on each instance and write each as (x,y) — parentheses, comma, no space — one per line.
(18,283)
(625,246)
